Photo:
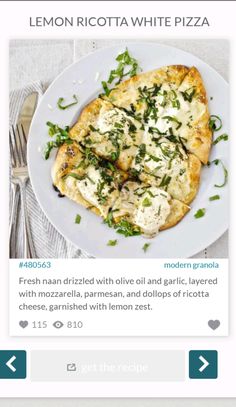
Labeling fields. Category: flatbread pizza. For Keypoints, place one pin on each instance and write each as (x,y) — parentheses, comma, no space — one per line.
(135,154)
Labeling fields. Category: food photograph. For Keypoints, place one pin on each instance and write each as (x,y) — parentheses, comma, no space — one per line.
(123,152)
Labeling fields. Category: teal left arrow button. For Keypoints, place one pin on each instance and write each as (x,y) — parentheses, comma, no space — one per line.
(12,364)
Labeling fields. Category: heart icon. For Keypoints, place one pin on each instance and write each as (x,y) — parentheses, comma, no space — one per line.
(23,324)
(214,324)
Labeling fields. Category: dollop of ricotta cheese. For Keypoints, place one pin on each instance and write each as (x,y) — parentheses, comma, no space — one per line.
(145,206)
(152,210)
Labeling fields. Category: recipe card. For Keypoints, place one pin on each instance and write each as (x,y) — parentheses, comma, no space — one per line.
(116,279)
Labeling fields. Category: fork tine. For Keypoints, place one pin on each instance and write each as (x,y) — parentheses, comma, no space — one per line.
(23,132)
(21,147)
(12,152)
(25,142)
(15,148)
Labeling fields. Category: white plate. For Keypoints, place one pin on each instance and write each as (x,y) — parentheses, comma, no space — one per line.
(184,240)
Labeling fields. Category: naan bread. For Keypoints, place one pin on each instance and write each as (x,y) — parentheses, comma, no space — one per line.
(148,208)
(137,153)
(109,132)
(86,179)
(166,165)
(171,99)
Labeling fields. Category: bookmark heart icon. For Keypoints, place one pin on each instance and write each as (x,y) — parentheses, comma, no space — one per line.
(23,324)
(214,324)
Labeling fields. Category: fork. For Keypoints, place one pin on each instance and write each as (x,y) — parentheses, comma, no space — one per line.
(20,178)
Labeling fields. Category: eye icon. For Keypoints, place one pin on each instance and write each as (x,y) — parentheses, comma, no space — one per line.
(58,324)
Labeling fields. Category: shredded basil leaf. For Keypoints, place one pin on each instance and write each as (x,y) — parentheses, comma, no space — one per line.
(176,104)
(127,229)
(112,243)
(76,176)
(106,88)
(60,135)
(213,125)
(165,181)
(116,75)
(147,202)
(200,213)
(188,94)
(223,137)
(173,119)
(214,198)
(140,154)
(64,107)
(78,219)
(216,162)
(146,247)
(109,219)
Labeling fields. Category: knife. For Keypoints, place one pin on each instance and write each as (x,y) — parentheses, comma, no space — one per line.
(27,111)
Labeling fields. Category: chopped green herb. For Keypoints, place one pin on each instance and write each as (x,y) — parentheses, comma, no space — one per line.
(214,198)
(223,137)
(76,176)
(60,135)
(106,88)
(140,191)
(153,157)
(165,181)
(146,246)
(80,177)
(114,155)
(109,219)
(64,107)
(124,61)
(173,95)
(200,213)
(188,94)
(215,123)
(112,243)
(102,198)
(140,154)
(147,202)
(92,128)
(173,119)
(147,95)
(118,125)
(78,219)
(176,104)
(216,162)
(127,229)
(153,130)
(134,174)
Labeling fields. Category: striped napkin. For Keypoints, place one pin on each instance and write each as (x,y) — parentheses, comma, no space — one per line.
(48,242)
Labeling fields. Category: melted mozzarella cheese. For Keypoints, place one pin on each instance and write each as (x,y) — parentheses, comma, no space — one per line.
(186,113)
(169,163)
(117,121)
(88,188)
(108,118)
(162,161)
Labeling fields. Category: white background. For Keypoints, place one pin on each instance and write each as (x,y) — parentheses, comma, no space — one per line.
(222,18)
